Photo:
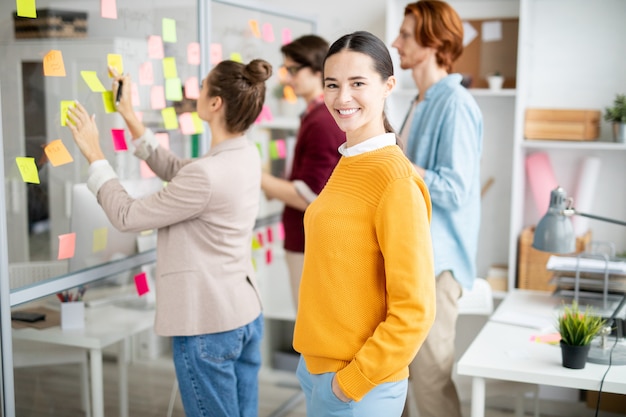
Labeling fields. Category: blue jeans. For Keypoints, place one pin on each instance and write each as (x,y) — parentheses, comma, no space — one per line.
(218,372)
(384,400)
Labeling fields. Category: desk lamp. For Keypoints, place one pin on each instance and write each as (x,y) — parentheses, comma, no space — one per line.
(555,233)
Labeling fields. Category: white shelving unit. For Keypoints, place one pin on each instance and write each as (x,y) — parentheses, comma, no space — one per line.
(561,66)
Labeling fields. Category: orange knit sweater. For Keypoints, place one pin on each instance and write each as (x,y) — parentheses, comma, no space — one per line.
(367,295)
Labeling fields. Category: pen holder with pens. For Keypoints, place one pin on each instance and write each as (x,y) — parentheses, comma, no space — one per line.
(72,315)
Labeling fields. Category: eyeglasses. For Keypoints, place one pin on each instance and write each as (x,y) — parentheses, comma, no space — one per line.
(294,69)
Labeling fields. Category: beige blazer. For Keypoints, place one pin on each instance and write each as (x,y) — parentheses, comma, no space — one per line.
(205,215)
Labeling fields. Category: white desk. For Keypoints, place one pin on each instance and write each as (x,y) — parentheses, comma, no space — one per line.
(505,352)
(104,326)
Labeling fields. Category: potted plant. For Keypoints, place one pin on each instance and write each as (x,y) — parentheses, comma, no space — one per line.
(495,80)
(617,116)
(577,329)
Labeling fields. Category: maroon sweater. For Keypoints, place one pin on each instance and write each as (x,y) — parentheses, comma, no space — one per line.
(314,159)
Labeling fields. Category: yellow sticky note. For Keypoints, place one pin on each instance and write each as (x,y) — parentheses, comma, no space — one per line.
(169,30)
(100,237)
(66,104)
(255,243)
(53,65)
(169,118)
(115,61)
(67,246)
(108,101)
(57,153)
(169,67)
(254,27)
(26,8)
(173,89)
(28,169)
(93,82)
(197,122)
(236,56)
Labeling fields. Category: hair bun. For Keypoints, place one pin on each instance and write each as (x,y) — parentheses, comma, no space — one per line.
(257,71)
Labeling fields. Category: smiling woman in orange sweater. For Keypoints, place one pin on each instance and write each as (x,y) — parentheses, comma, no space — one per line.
(367,298)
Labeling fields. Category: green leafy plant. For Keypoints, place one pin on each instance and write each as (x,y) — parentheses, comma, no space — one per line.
(617,113)
(578,327)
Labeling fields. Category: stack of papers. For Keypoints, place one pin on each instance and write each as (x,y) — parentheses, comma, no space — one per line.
(565,263)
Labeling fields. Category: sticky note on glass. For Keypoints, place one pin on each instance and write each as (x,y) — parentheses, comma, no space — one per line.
(268,256)
(255,243)
(155,47)
(141,283)
(53,65)
(115,61)
(281,231)
(286,36)
(157,97)
(192,89)
(169,67)
(28,169)
(273,150)
(66,104)
(119,141)
(107,100)
(173,89)
(99,241)
(26,8)
(236,56)
(186,124)
(57,153)
(268,32)
(254,27)
(108,9)
(163,139)
(170,121)
(215,52)
(281,148)
(93,82)
(145,171)
(289,94)
(168,27)
(197,122)
(67,246)
(193,53)
(146,73)
(270,234)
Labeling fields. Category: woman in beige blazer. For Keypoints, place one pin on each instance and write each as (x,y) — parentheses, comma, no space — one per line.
(206,293)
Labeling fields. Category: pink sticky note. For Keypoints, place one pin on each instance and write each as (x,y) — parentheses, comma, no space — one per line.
(139,115)
(108,9)
(141,283)
(193,53)
(157,97)
(164,139)
(145,171)
(155,47)
(259,237)
(267,113)
(268,32)
(541,180)
(270,235)
(281,148)
(268,256)
(192,88)
(286,36)
(215,53)
(119,141)
(134,94)
(186,124)
(67,245)
(146,73)
(281,231)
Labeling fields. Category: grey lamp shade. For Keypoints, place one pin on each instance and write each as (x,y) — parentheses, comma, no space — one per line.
(554,232)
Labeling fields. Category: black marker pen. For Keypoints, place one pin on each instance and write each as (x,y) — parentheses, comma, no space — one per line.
(119,93)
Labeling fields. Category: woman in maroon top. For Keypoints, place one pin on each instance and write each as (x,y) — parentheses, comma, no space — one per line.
(315,153)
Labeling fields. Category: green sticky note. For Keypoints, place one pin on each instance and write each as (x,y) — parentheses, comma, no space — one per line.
(236,56)
(93,82)
(109,104)
(169,118)
(173,89)
(66,104)
(26,8)
(169,67)
(169,30)
(197,122)
(99,241)
(258,146)
(255,243)
(273,150)
(195,145)
(28,169)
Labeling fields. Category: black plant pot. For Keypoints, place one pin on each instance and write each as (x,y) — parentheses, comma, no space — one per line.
(574,357)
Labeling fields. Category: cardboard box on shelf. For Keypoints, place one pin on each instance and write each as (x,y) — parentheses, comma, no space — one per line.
(561,124)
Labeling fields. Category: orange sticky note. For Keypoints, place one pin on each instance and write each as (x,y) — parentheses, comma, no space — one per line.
(28,169)
(146,73)
(57,153)
(108,9)
(268,32)
(53,65)
(99,241)
(157,97)
(254,27)
(141,284)
(155,47)
(290,95)
(115,61)
(26,8)
(192,88)
(67,246)
(215,53)
(170,121)
(66,104)
(193,53)
(169,30)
